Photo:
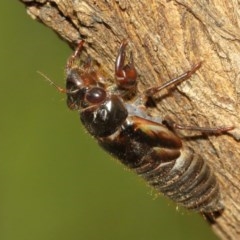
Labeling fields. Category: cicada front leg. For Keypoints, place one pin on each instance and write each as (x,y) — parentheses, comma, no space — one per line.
(125,74)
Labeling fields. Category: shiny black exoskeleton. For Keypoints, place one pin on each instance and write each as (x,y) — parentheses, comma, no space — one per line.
(145,144)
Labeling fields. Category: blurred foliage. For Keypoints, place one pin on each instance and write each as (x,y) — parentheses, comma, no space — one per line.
(55,182)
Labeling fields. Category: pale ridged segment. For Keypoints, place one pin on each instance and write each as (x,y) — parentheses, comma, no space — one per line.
(189,181)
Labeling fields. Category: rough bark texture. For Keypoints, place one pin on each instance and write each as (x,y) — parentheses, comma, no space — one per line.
(167,38)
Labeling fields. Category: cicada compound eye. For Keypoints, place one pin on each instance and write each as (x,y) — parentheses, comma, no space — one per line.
(95,95)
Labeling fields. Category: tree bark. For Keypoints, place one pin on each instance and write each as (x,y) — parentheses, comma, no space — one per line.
(167,38)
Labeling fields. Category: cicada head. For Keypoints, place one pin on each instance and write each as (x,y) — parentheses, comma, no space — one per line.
(83,90)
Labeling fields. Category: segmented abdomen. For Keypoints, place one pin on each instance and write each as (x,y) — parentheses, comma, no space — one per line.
(156,153)
(188,181)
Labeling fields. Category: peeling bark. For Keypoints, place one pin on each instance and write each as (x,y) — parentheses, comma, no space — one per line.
(167,38)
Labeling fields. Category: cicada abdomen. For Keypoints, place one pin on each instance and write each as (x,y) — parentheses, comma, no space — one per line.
(156,153)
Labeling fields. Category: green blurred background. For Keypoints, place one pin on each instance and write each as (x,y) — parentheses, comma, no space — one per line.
(55,182)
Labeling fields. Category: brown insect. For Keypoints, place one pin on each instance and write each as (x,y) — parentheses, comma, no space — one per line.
(148,145)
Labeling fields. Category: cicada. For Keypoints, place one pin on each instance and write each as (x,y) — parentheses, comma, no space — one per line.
(117,118)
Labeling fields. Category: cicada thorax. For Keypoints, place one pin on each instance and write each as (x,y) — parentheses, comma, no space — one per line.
(104,119)
(144,144)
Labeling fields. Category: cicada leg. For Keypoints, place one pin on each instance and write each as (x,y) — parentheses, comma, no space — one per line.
(153,90)
(209,130)
(75,55)
(126,74)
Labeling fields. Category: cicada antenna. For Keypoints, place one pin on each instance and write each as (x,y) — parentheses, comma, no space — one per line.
(61,90)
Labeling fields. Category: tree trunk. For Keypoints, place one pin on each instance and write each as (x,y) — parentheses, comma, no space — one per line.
(167,38)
